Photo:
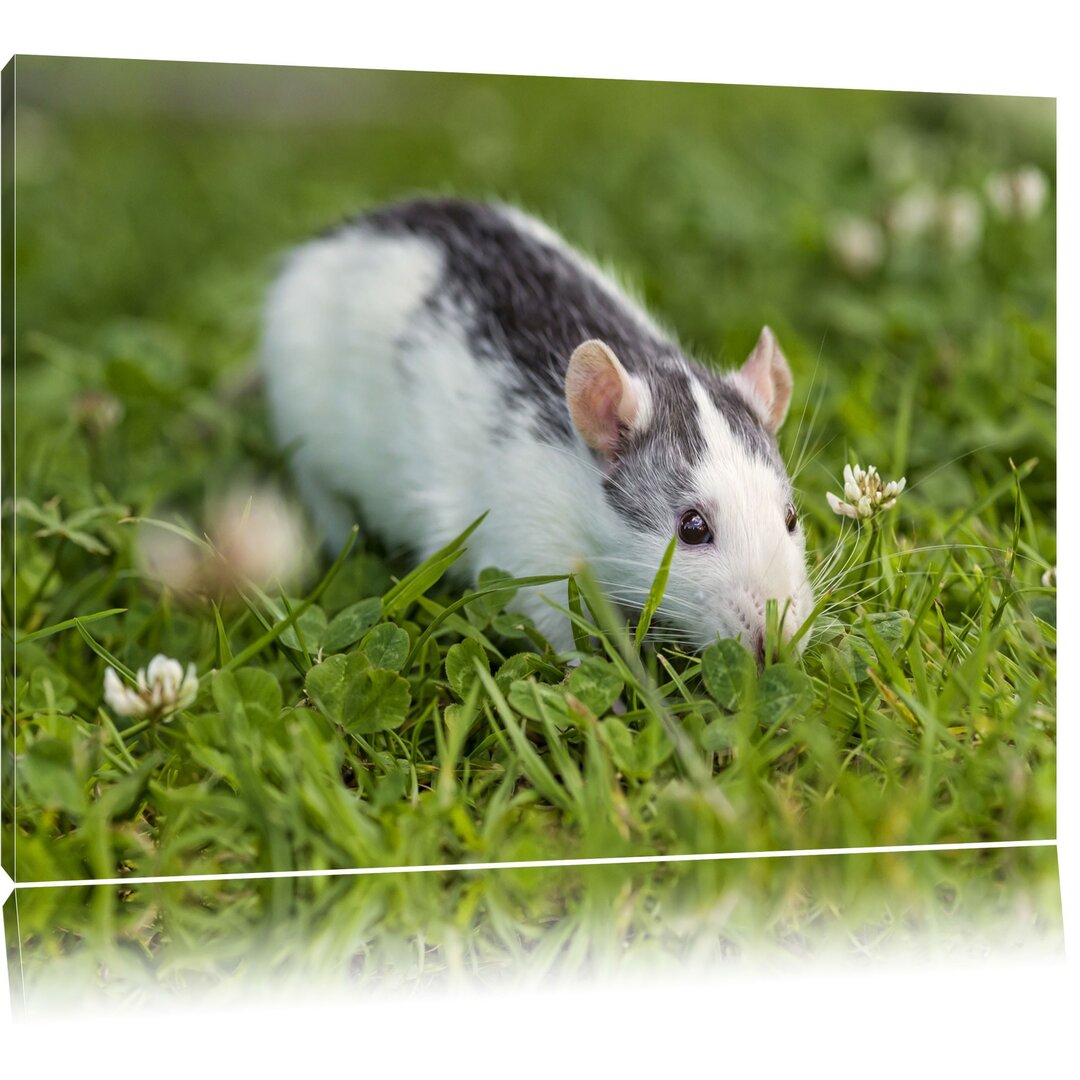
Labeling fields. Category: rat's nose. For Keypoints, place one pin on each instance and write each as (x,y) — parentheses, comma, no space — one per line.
(750,608)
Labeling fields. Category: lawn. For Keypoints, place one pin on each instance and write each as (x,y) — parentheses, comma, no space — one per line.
(370,714)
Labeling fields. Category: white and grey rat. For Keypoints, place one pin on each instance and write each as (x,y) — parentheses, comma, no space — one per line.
(438,358)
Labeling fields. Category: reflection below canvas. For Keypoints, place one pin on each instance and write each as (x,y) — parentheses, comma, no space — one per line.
(207,942)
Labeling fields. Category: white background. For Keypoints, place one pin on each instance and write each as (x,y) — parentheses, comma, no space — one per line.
(981,1021)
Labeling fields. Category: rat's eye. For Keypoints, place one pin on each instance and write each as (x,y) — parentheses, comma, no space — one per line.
(694,529)
(791,519)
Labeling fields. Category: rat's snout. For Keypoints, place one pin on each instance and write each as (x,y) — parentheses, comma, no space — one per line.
(751,610)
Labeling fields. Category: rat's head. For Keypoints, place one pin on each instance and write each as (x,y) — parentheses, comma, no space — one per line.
(691,453)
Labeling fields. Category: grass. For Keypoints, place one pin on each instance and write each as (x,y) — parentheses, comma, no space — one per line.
(380,716)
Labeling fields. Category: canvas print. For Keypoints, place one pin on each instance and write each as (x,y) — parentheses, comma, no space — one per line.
(408,468)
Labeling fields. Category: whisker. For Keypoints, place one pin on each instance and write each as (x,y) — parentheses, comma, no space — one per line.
(848,556)
(809,395)
(810,461)
(959,457)
(923,549)
(669,606)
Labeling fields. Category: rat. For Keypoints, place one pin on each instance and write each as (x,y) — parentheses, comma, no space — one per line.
(437,359)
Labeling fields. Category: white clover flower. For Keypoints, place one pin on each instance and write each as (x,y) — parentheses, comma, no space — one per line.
(1049,578)
(171,559)
(259,536)
(960,216)
(1019,195)
(857,244)
(913,213)
(865,493)
(255,536)
(162,689)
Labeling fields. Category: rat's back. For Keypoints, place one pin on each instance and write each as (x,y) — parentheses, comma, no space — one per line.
(416,352)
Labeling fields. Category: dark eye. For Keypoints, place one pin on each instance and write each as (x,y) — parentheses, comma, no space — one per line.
(694,529)
(791,519)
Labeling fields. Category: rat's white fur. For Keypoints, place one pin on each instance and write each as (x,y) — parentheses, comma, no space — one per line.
(391,412)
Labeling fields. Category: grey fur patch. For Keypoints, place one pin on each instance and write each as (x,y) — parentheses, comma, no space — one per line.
(652,474)
(522,301)
(652,478)
(742,418)
(526,307)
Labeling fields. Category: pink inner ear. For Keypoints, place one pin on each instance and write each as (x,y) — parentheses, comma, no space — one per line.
(600,396)
(759,376)
(767,374)
(605,399)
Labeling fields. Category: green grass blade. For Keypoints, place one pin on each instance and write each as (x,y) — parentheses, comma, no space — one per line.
(418,581)
(104,653)
(656,593)
(224,650)
(68,624)
(172,527)
(577,626)
(457,605)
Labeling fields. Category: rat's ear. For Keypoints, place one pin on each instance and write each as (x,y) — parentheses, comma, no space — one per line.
(767,376)
(603,398)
